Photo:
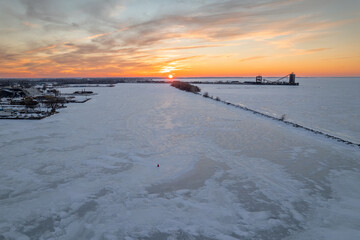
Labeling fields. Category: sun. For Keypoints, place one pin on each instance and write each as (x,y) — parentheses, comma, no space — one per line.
(170,76)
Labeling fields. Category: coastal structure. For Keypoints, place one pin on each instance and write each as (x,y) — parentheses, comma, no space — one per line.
(292,79)
(259,80)
(34,102)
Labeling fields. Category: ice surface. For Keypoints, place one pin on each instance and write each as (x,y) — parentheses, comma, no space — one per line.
(330,105)
(90,173)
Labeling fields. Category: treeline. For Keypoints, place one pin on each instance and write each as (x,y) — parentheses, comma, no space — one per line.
(61,81)
(184,86)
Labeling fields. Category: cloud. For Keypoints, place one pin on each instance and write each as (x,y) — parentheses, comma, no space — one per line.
(225,21)
(47,11)
(41,49)
(314,50)
(31,25)
(308,51)
(192,47)
(72,36)
(252,58)
(97,35)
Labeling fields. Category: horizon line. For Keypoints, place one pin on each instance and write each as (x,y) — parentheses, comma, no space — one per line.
(10,78)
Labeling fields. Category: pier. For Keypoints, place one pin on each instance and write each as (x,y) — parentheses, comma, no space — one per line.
(259,80)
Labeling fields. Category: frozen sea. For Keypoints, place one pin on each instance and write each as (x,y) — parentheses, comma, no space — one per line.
(90,172)
(330,105)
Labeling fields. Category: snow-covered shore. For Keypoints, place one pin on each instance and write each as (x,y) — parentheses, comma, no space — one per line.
(91,173)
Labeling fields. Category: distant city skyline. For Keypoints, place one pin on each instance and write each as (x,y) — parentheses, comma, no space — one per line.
(185,38)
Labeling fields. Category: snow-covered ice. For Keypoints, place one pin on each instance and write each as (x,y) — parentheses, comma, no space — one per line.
(91,172)
(330,105)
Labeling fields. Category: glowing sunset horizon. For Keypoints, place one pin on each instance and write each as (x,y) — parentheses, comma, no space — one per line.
(119,38)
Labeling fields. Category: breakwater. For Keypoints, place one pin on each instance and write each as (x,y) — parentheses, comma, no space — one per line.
(282,119)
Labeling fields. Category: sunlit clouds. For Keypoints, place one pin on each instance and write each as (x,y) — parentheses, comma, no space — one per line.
(88,38)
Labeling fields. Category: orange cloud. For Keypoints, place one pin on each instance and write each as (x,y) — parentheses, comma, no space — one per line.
(97,35)
(41,49)
(222,38)
(251,58)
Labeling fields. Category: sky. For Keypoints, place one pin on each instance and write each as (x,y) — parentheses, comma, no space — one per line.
(186,38)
